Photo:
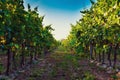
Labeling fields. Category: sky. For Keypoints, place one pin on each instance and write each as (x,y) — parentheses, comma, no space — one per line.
(60,13)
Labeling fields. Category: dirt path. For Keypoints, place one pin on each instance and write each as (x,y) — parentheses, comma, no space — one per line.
(63,67)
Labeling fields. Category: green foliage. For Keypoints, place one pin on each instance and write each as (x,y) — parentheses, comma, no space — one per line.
(114,77)
(21,26)
(88,76)
(99,26)
(2,69)
(22,31)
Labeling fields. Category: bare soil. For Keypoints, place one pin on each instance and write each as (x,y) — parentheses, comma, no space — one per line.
(58,67)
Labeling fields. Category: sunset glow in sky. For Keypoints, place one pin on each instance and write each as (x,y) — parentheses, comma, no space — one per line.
(60,13)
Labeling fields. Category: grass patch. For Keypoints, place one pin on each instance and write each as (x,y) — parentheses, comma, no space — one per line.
(114,77)
(2,68)
(88,76)
(37,72)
